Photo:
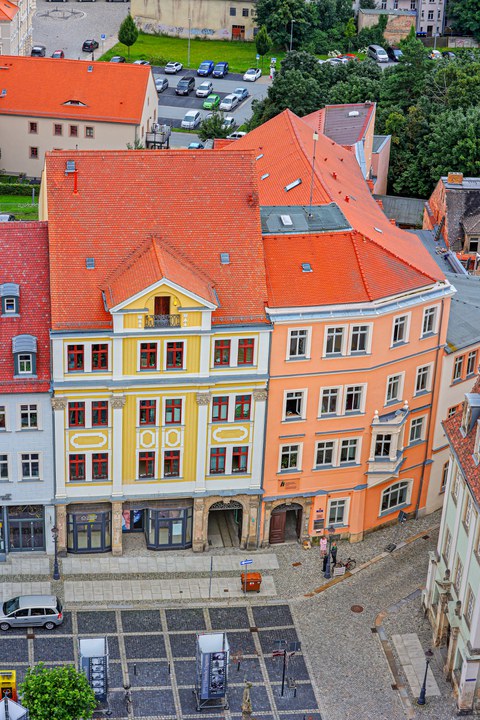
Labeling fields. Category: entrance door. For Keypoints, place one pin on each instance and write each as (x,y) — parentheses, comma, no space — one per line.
(26,528)
(277,527)
(238,32)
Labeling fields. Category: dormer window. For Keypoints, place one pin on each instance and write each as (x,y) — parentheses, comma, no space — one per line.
(10,295)
(24,349)
(467,414)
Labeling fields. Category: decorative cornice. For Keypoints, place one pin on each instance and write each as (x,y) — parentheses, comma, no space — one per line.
(260,395)
(59,403)
(117,401)
(203,398)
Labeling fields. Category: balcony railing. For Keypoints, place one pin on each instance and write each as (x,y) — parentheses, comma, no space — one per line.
(162,321)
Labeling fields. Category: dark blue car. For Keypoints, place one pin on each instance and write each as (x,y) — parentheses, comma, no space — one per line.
(221,69)
(206,68)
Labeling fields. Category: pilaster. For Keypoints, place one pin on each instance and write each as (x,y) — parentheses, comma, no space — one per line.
(203,402)
(59,406)
(116,403)
(117,528)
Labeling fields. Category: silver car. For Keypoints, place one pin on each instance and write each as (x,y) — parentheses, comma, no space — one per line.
(204,89)
(31,611)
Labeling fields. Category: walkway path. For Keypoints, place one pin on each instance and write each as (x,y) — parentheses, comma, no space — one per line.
(412,658)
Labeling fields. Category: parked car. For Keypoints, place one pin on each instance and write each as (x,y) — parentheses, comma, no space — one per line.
(252,74)
(118,59)
(161,84)
(141,62)
(211,102)
(38,51)
(6,217)
(220,69)
(228,123)
(229,102)
(58,54)
(435,55)
(394,54)
(204,89)
(242,93)
(377,53)
(449,55)
(196,146)
(172,68)
(236,135)
(186,85)
(191,120)
(89,45)
(206,68)
(30,611)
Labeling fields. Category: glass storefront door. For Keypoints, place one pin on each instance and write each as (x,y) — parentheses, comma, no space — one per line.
(26,528)
(168,528)
(89,532)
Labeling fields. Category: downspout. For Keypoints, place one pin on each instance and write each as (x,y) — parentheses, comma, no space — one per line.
(264,438)
(429,424)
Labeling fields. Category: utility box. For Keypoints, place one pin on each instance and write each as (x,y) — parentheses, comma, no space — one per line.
(93,660)
(211,681)
(251,581)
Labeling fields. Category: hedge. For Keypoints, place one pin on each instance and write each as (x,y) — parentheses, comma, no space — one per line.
(18,188)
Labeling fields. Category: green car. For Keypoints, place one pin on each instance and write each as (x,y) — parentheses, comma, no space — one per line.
(211,102)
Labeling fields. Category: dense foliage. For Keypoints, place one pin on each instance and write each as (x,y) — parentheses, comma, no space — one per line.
(431,108)
(211,127)
(58,693)
(465,16)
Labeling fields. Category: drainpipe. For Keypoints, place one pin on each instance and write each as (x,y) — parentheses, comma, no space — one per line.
(429,424)
(264,439)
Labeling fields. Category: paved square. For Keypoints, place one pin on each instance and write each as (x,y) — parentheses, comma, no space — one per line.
(154,652)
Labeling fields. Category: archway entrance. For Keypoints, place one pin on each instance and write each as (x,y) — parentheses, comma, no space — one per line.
(286,523)
(225,524)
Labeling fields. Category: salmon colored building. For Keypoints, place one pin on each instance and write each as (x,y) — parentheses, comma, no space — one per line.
(360,313)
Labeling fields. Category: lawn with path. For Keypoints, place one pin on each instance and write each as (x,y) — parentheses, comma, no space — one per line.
(19,205)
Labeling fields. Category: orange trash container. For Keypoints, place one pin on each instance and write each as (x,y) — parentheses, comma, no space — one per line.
(251,581)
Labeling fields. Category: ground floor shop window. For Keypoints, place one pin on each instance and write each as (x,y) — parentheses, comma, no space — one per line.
(89,532)
(168,528)
(26,528)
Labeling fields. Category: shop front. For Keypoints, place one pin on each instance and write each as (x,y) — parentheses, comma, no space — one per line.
(166,524)
(25,528)
(89,529)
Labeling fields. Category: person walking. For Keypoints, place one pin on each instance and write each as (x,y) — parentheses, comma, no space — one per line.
(333,552)
(323,551)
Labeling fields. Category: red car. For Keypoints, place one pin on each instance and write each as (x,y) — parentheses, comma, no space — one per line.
(58,54)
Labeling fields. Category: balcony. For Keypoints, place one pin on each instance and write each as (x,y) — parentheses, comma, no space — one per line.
(162,321)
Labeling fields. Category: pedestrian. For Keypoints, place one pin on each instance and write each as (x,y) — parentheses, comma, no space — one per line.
(323,551)
(334,552)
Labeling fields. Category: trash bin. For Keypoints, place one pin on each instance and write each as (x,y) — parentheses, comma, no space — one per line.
(251,581)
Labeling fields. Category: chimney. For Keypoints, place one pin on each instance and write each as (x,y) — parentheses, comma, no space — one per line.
(371,185)
(455,178)
(393,221)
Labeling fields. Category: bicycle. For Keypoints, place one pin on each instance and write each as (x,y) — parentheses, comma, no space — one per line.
(349,564)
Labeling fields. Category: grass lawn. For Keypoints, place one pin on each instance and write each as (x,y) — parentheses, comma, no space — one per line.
(20,206)
(159,49)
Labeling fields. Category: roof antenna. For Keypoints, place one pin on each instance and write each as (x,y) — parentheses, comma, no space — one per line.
(315,138)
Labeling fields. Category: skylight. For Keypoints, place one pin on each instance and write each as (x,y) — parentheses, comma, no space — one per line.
(293,184)
(264,177)
(286,220)
(306,267)
(90,263)
(225,258)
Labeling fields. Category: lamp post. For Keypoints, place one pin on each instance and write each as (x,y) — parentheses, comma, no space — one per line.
(291,34)
(423,690)
(56,572)
(188,51)
(331,534)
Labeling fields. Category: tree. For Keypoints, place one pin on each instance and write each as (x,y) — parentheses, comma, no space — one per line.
(350,31)
(212,127)
(128,33)
(277,16)
(453,144)
(58,693)
(263,42)
(465,16)
(367,5)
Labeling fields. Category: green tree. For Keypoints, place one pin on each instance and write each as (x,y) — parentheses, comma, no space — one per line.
(212,127)
(356,90)
(128,33)
(59,693)
(350,31)
(405,83)
(367,5)
(263,42)
(453,143)
(465,16)
(277,16)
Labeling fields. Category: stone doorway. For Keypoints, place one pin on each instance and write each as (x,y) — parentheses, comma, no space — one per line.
(225,524)
(286,524)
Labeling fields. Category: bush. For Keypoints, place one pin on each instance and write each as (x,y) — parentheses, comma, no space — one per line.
(15,188)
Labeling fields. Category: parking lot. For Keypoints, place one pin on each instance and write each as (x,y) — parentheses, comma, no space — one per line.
(153,651)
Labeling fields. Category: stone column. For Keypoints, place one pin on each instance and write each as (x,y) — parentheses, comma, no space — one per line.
(199,539)
(117,528)
(468,682)
(61,522)
(116,403)
(59,406)
(266,524)
(260,398)
(452,650)
(203,402)
(440,627)
(253,520)
(307,509)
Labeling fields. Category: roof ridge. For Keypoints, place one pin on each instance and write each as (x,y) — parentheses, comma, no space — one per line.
(399,257)
(360,266)
(180,257)
(301,146)
(128,261)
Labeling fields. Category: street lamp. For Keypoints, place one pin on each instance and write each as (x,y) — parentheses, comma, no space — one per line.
(56,572)
(291,33)
(281,650)
(423,690)
(188,51)
(331,534)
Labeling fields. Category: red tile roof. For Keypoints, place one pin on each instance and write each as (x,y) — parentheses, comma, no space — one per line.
(284,149)
(195,204)
(463,447)
(338,123)
(110,93)
(8,10)
(347,267)
(25,262)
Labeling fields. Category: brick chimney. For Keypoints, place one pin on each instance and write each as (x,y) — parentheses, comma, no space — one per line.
(455,178)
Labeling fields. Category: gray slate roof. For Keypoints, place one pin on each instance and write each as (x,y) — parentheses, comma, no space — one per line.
(291,219)
(405,210)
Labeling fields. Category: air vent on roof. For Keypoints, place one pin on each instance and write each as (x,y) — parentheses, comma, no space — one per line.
(90,263)
(293,184)
(4,92)
(306,267)
(259,156)
(286,220)
(353,113)
(70,168)
(378,230)
(90,68)
(225,258)
(264,177)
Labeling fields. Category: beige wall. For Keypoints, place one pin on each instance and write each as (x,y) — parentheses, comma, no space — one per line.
(16,36)
(380,165)
(208,18)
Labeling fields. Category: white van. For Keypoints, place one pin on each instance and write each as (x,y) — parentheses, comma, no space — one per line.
(191,120)
(377,53)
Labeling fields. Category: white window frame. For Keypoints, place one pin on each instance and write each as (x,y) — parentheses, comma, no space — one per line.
(156,475)
(334,453)
(308,343)
(158,403)
(28,411)
(472,355)
(468,514)
(3,411)
(429,313)
(368,342)
(159,353)
(455,487)
(347,441)
(458,368)
(30,478)
(10,306)
(363,394)
(428,384)
(389,490)
(469,606)
(398,398)
(184,356)
(458,576)
(447,546)
(345,501)
(445,469)
(7,462)
(338,390)
(302,416)
(172,478)
(414,424)
(299,452)
(405,339)
(335,328)
(22,359)
(383,443)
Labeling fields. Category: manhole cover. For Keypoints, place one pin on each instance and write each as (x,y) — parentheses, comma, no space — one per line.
(357,608)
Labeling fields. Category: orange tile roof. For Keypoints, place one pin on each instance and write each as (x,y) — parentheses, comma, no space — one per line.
(284,150)
(126,197)
(8,10)
(464,445)
(110,93)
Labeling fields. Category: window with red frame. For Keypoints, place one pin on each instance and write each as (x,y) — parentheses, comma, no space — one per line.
(76,355)
(99,413)
(171,463)
(146,464)
(220,408)
(100,356)
(100,466)
(240,459)
(245,351)
(173,412)
(76,467)
(147,412)
(217,460)
(222,352)
(243,406)
(148,356)
(76,414)
(175,355)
